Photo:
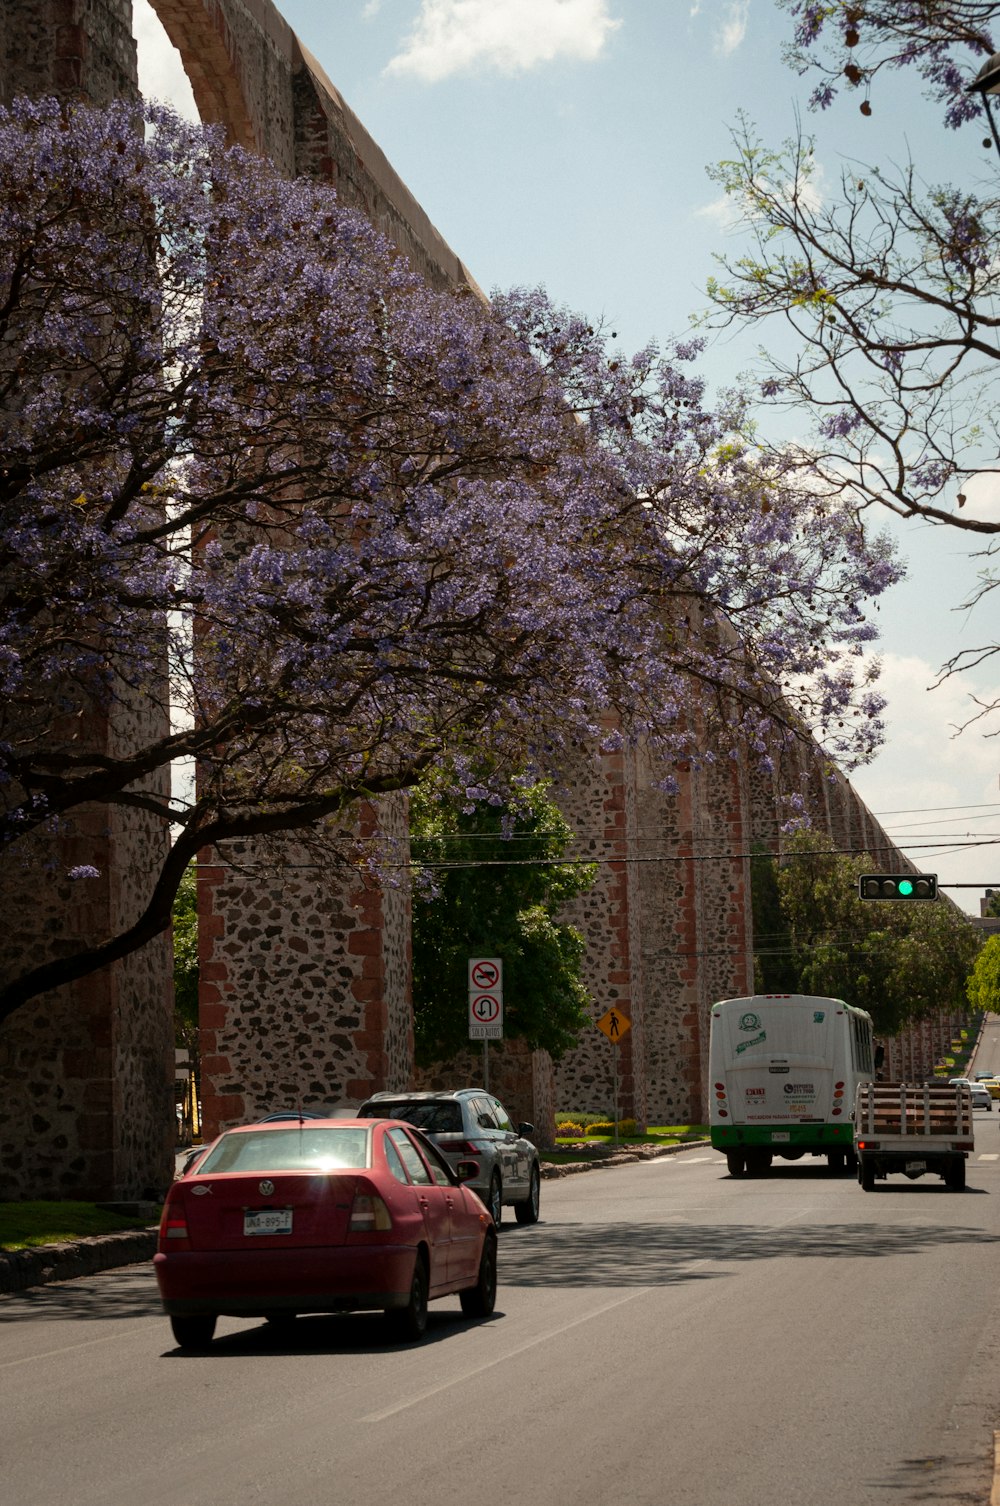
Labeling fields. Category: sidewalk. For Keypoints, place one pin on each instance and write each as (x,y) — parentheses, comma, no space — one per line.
(20,1269)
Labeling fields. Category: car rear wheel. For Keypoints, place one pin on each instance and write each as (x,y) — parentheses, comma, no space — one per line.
(494,1199)
(526,1212)
(194,1332)
(479,1301)
(409,1323)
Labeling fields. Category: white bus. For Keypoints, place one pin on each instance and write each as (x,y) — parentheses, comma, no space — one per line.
(782,1073)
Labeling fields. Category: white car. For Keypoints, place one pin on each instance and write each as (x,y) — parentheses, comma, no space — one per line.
(981,1096)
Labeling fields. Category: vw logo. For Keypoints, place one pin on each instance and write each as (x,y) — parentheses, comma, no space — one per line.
(265,1188)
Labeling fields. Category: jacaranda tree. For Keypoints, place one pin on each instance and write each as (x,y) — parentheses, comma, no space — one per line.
(364,525)
(880,291)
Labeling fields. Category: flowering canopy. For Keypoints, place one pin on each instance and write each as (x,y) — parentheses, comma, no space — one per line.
(398,525)
(856,39)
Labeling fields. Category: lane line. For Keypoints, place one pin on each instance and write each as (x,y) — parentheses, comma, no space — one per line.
(48,1354)
(502,1359)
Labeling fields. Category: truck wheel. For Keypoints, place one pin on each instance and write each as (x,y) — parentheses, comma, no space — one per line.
(954,1177)
(866,1174)
(736,1161)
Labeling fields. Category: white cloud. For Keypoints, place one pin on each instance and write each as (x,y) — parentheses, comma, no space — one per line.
(724,212)
(734,27)
(510,36)
(161,72)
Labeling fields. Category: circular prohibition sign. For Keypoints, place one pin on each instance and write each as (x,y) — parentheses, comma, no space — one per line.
(485,974)
(485,1008)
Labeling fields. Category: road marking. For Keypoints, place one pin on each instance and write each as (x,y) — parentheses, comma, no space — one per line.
(502,1359)
(48,1354)
(686,1161)
(989,1156)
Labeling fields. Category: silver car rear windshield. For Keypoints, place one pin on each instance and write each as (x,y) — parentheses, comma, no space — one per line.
(434,1118)
(292,1149)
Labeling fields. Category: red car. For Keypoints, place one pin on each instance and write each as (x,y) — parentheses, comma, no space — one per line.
(327,1215)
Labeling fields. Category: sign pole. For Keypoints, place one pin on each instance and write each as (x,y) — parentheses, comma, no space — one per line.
(614,1058)
(486,1066)
(614,1025)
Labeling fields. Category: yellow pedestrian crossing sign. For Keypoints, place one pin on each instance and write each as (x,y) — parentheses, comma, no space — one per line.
(614,1024)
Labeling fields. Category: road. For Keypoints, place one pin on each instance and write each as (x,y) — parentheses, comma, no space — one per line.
(666,1336)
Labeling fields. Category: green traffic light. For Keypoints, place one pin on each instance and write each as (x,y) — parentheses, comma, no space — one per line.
(905,887)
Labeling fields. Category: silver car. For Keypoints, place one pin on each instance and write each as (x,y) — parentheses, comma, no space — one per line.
(470,1124)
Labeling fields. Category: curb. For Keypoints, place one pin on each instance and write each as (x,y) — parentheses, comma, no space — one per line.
(550,1169)
(21,1269)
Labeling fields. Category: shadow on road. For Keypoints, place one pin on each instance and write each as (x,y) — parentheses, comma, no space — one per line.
(643,1254)
(128,1292)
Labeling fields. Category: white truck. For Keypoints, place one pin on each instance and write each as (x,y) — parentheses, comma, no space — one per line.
(914,1129)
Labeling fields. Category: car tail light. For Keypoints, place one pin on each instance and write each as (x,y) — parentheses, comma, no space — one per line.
(368,1214)
(173,1226)
(466,1148)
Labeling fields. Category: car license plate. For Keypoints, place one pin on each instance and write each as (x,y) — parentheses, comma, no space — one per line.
(916,1166)
(267,1221)
(780,1135)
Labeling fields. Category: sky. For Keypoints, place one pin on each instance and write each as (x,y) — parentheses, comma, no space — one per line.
(565,143)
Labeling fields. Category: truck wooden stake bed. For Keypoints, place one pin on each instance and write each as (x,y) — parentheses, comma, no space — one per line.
(912,1129)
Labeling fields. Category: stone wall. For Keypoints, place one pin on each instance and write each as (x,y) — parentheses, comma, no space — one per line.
(305,999)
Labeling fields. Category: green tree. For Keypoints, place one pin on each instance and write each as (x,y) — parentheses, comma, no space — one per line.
(984,980)
(185,932)
(899,961)
(493,886)
(774,967)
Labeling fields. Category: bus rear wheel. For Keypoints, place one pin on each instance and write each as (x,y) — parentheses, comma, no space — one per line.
(736,1161)
(758,1162)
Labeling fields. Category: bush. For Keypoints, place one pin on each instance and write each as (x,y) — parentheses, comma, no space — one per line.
(626,1127)
(582,1119)
(601,1127)
(567,1130)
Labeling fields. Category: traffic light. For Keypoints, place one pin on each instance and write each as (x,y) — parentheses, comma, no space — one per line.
(898,886)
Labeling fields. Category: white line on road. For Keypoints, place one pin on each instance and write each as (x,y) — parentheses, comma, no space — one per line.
(502,1359)
(989,1156)
(48,1354)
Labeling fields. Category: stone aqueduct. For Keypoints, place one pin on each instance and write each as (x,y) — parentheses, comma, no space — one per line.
(305,984)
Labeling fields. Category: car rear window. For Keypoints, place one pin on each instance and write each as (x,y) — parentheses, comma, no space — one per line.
(298,1149)
(433,1118)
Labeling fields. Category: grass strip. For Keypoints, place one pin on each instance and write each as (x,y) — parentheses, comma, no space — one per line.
(23,1226)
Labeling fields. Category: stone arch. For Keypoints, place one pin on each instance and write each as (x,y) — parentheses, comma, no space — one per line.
(202,32)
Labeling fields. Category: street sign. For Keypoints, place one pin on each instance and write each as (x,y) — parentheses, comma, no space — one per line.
(485,999)
(485,973)
(614,1024)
